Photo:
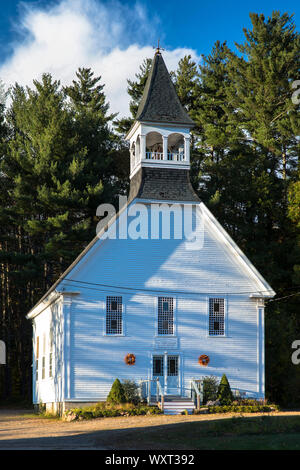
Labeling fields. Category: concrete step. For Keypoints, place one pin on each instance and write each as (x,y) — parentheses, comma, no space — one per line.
(177,411)
(180,403)
(175,407)
(174,404)
(178,399)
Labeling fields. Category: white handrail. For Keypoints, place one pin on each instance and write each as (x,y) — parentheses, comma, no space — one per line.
(160,392)
(199,393)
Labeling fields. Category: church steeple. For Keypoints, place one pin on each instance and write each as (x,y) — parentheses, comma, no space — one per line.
(160,102)
(160,141)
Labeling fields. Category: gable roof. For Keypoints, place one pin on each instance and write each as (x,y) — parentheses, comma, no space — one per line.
(264,289)
(81,255)
(160,102)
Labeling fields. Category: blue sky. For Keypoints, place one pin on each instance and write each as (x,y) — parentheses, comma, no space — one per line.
(113,36)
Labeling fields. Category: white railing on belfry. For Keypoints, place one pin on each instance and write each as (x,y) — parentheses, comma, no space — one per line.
(154,156)
(173,157)
(176,157)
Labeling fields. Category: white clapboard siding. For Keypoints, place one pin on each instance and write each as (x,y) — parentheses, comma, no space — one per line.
(48,389)
(97,359)
(88,361)
(166,264)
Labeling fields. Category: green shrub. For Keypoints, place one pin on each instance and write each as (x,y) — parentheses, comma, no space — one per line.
(116,394)
(224,392)
(108,410)
(210,388)
(242,408)
(249,401)
(131,391)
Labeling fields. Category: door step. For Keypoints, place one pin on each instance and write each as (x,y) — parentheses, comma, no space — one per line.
(175,406)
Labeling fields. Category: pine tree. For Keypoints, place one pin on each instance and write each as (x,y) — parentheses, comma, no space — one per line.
(106,164)
(221,161)
(224,391)
(262,87)
(54,171)
(116,394)
(186,81)
(6,234)
(247,143)
(260,91)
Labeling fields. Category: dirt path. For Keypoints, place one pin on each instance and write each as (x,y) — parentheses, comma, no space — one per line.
(21,430)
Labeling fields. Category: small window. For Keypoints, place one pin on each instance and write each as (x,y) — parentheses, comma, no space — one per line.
(43,367)
(158,366)
(172,366)
(216,317)
(50,365)
(114,316)
(50,352)
(43,357)
(37,358)
(165,316)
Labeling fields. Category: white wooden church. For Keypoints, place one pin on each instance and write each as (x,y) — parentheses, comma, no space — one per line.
(152,308)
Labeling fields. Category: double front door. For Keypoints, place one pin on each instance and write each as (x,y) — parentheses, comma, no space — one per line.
(166,370)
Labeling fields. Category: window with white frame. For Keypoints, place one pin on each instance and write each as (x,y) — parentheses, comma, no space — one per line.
(50,353)
(165,316)
(158,366)
(216,317)
(44,357)
(114,324)
(37,358)
(172,366)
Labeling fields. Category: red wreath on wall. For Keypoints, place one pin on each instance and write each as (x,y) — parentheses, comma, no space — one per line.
(130,359)
(203,360)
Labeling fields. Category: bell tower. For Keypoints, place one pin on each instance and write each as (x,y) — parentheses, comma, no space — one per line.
(160,141)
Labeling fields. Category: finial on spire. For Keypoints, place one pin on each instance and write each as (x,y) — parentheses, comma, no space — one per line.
(158,48)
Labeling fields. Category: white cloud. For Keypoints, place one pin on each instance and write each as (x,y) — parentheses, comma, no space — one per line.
(108,37)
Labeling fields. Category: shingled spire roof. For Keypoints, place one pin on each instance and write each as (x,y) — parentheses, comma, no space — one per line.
(160,102)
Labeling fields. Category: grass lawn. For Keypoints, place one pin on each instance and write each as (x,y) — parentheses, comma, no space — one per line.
(238,433)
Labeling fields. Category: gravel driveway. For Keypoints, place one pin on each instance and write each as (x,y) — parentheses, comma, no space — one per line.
(19,429)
